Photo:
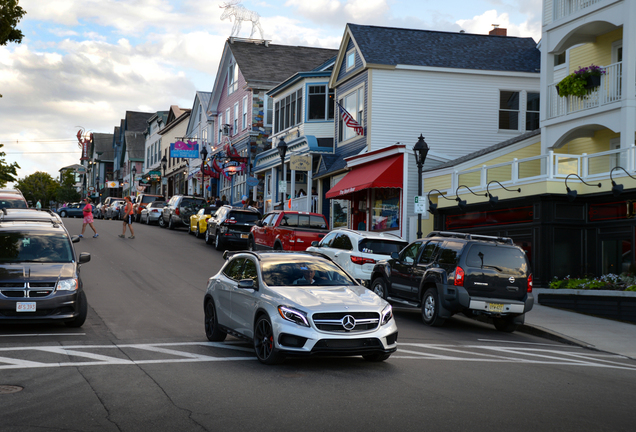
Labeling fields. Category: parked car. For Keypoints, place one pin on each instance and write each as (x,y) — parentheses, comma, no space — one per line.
(358,251)
(179,209)
(12,198)
(231,225)
(71,210)
(288,230)
(113,211)
(97,210)
(267,299)
(141,201)
(29,214)
(449,272)
(51,290)
(199,221)
(152,212)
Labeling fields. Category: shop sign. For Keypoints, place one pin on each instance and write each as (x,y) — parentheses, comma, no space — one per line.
(112,184)
(252,181)
(300,163)
(184,149)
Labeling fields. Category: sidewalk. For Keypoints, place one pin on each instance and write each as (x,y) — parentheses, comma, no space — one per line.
(583,330)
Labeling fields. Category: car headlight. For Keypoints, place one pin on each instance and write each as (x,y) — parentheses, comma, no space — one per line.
(387,314)
(293,315)
(67,285)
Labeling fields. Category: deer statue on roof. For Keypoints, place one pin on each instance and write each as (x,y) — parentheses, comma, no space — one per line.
(233,8)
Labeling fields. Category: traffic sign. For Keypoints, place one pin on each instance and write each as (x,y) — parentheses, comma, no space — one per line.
(420,205)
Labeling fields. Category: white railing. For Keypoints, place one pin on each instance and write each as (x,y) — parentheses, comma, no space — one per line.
(553,166)
(609,91)
(563,8)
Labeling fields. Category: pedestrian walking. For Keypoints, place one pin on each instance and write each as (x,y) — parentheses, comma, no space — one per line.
(87,213)
(128,219)
(38,205)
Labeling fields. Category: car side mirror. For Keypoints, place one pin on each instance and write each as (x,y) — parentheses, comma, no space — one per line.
(246,283)
(84,257)
(395,255)
(75,239)
(315,243)
(259,223)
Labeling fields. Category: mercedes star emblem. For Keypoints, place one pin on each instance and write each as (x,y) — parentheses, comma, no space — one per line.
(348,322)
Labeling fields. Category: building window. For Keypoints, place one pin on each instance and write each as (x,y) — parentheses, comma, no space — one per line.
(244,112)
(287,111)
(518,110)
(385,209)
(354,104)
(228,121)
(232,78)
(220,137)
(351,59)
(532,111)
(340,213)
(559,59)
(269,108)
(235,128)
(321,106)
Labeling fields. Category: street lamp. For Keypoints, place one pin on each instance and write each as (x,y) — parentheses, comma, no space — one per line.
(420,150)
(204,156)
(164,163)
(282,150)
(134,174)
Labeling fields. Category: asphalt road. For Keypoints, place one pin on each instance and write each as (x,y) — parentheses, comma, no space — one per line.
(142,362)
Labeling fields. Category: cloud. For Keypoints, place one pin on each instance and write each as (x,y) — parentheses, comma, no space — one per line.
(337,13)
(479,23)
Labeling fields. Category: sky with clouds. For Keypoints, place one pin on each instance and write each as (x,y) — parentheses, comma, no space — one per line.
(84,63)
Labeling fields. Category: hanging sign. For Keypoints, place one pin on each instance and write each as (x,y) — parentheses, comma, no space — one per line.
(300,163)
(112,184)
(181,149)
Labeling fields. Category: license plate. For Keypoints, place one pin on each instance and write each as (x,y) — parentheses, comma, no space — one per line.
(495,307)
(25,307)
(243,235)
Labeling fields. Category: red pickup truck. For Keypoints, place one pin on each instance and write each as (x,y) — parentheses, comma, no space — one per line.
(287,230)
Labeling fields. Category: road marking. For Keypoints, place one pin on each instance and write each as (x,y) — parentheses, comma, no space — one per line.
(43,334)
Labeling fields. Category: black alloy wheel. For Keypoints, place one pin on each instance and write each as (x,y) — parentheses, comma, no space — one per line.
(218,243)
(162,223)
(264,342)
(212,330)
(63,214)
(79,320)
(208,238)
(197,234)
(251,245)
(379,287)
(170,223)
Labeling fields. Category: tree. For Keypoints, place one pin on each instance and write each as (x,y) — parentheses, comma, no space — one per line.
(38,186)
(67,191)
(7,172)
(10,15)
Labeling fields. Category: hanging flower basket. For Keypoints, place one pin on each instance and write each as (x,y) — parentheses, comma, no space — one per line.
(580,81)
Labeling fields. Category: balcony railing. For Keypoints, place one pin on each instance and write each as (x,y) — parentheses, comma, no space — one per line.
(564,8)
(608,92)
(550,167)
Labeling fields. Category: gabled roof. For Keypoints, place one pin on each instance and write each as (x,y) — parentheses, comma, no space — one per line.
(389,47)
(175,116)
(135,144)
(103,146)
(336,162)
(137,121)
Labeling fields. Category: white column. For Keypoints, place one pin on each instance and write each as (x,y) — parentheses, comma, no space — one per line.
(628,107)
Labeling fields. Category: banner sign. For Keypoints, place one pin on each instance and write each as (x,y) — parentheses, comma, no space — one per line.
(112,184)
(181,149)
(300,163)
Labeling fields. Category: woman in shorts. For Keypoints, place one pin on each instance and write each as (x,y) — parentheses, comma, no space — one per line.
(87,213)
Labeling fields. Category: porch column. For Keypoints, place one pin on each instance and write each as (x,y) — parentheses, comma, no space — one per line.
(309,182)
(628,111)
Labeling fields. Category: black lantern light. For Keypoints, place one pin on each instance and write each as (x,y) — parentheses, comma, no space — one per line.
(462,203)
(282,151)
(420,150)
(572,193)
(494,199)
(617,189)
(204,156)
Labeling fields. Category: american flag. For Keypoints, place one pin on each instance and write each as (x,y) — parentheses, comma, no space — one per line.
(350,121)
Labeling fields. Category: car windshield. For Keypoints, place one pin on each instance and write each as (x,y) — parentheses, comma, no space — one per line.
(244,217)
(148,199)
(306,271)
(12,203)
(34,247)
(380,247)
(157,204)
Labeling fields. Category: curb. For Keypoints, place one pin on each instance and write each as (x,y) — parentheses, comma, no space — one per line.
(554,336)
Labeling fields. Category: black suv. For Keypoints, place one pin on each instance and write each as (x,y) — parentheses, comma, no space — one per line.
(231,225)
(448,272)
(39,270)
(178,210)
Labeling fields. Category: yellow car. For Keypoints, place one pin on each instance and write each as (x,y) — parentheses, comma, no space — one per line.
(199,221)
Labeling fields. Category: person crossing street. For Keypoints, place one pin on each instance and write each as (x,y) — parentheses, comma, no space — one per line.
(128,219)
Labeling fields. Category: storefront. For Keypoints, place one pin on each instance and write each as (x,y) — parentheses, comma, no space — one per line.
(370,196)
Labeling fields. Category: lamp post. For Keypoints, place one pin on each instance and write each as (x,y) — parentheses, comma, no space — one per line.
(164,163)
(282,150)
(420,150)
(98,189)
(134,174)
(204,156)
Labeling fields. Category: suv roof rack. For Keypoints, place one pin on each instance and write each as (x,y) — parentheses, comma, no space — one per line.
(370,232)
(228,254)
(451,234)
(23,215)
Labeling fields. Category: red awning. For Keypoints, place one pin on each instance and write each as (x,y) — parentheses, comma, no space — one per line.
(384,173)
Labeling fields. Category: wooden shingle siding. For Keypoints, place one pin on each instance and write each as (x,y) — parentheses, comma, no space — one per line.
(343,73)
(456,112)
(355,82)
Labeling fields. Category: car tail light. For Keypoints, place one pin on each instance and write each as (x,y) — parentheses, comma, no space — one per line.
(361,260)
(459,276)
(177,212)
(530,282)
(154,211)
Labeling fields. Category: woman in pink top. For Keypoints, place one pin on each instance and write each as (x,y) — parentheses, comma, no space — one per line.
(87,212)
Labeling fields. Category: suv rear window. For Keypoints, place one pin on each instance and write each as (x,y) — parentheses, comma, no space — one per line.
(380,247)
(503,259)
(148,199)
(244,217)
(12,202)
(191,202)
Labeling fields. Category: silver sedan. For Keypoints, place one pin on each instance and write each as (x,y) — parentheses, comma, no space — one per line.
(152,212)
(295,304)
